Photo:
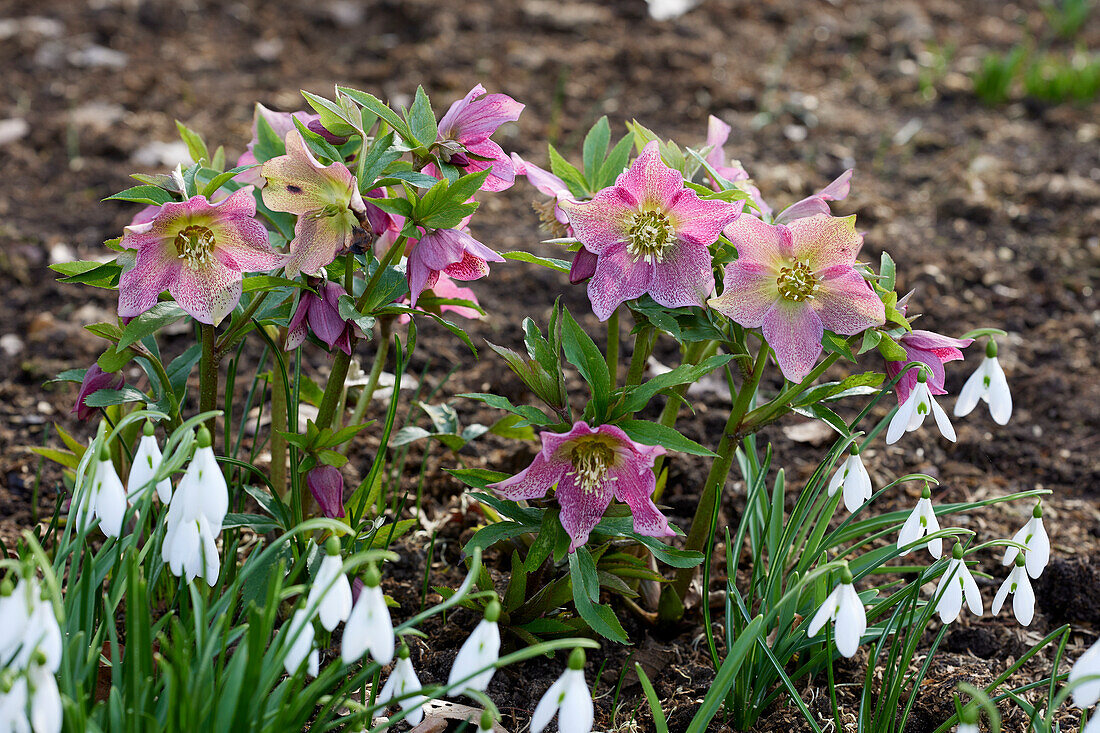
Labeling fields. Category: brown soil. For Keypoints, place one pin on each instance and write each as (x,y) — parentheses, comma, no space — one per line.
(991,213)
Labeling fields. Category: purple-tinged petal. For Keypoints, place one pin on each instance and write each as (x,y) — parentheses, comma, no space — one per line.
(583,267)
(146,215)
(470,267)
(208,293)
(837,190)
(602,221)
(94,380)
(824,241)
(717,134)
(445,287)
(760,243)
(649,181)
(478,115)
(317,241)
(846,303)
(684,277)
(317,127)
(794,331)
(532,482)
(581,510)
(326,483)
(750,292)
(908,381)
(618,278)
(297,183)
(156,266)
(701,220)
(435,252)
(296,330)
(931,341)
(807,207)
(552,443)
(503,174)
(324,314)
(634,486)
(543,180)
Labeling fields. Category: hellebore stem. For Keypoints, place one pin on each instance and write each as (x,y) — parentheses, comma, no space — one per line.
(643,347)
(236,328)
(208,373)
(361,404)
(613,347)
(387,259)
(333,388)
(694,353)
(278,424)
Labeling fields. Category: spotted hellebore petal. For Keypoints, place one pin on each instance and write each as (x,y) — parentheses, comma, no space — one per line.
(650,234)
(591,466)
(845,609)
(853,477)
(198,252)
(280,123)
(817,203)
(324,197)
(930,349)
(451,252)
(794,281)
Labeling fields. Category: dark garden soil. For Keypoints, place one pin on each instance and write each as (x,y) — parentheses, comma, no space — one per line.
(993,215)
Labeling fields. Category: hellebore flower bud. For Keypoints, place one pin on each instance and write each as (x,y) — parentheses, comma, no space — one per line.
(326,483)
(95,379)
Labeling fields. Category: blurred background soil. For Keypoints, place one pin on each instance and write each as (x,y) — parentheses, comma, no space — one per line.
(992,214)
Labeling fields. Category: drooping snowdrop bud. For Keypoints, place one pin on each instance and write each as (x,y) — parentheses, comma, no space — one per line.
(844,608)
(922,521)
(203,485)
(330,593)
(107,499)
(13,705)
(1023,597)
(1033,536)
(299,640)
(1086,692)
(369,625)
(195,516)
(988,383)
(42,634)
(45,699)
(480,650)
(146,463)
(968,720)
(569,698)
(14,614)
(956,585)
(911,413)
(485,725)
(404,682)
(853,476)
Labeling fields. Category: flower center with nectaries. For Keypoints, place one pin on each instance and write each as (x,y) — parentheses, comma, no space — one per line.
(195,246)
(648,234)
(591,459)
(797,282)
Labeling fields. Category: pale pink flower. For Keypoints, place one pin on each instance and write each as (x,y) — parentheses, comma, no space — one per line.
(930,349)
(796,280)
(198,252)
(469,123)
(650,234)
(448,251)
(591,466)
(324,197)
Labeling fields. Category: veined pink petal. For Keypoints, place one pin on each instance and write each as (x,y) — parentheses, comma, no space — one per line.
(684,277)
(817,203)
(701,220)
(553,443)
(503,174)
(908,381)
(317,240)
(241,243)
(941,345)
(208,293)
(155,267)
(794,331)
(750,292)
(838,189)
(634,486)
(581,510)
(845,301)
(823,241)
(618,278)
(298,184)
(600,222)
(760,243)
(478,115)
(532,482)
(650,182)
(543,180)
(296,331)
(717,134)
(470,267)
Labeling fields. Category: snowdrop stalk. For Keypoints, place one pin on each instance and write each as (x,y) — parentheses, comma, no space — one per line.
(569,698)
(330,593)
(480,650)
(144,469)
(402,687)
(911,413)
(369,626)
(1023,597)
(956,585)
(853,477)
(987,384)
(845,609)
(922,521)
(1033,536)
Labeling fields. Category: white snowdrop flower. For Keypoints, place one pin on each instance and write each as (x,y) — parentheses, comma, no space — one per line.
(45,700)
(1033,536)
(369,625)
(916,407)
(968,720)
(853,477)
(105,499)
(481,649)
(13,705)
(922,521)
(1086,693)
(195,516)
(844,608)
(14,615)
(404,682)
(967,728)
(299,640)
(957,585)
(1023,597)
(569,698)
(330,593)
(42,634)
(147,460)
(988,383)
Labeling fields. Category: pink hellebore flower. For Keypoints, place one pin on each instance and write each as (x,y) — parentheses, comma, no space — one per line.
(448,251)
(95,379)
(280,123)
(930,349)
(470,122)
(649,234)
(794,281)
(320,314)
(198,251)
(591,466)
(326,483)
(325,198)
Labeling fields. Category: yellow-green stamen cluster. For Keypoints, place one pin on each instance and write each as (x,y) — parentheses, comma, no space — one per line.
(648,234)
(797,282)
(591,459)
(195,246)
